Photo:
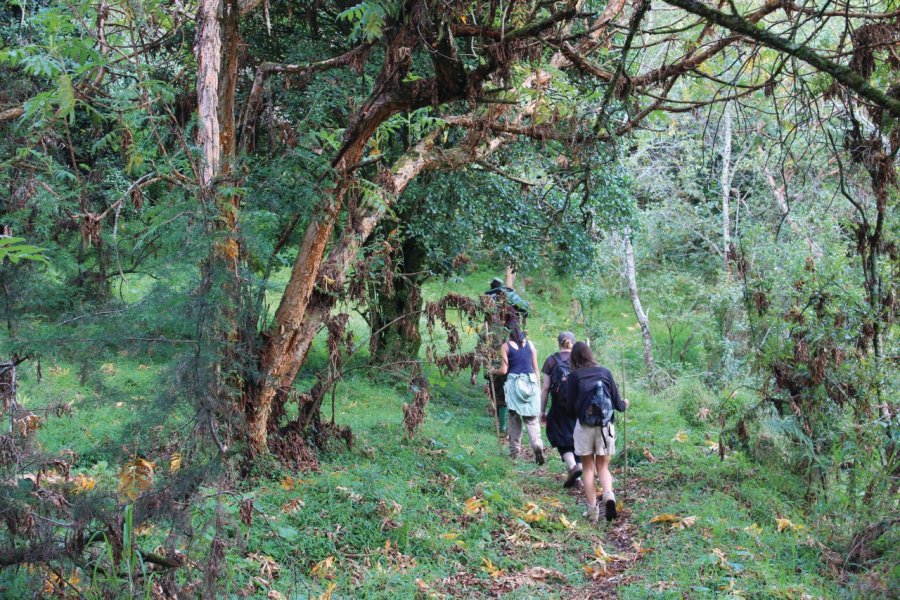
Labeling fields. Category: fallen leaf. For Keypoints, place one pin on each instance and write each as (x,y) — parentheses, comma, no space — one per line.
(787,525)
(753,529)
(84,483)
(703,413)
(135,476)
(175,462)
(680,437)
(566,522)
(684,523)
(473,505)
(722,558)
(293,505)
(450,535)
(326,595)
(543,574)
(665,518)
(532,513)
(552,502)
(648,455)
(491,569)
(323,568)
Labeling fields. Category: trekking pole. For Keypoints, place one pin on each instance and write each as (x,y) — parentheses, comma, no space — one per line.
(494,407)
(624,431)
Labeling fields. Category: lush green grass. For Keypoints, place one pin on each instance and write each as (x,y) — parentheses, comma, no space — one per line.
(388,518)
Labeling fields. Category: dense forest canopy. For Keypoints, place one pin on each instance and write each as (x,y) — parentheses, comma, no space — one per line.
(237,188)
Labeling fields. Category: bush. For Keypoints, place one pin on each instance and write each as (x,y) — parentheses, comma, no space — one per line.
(695,401)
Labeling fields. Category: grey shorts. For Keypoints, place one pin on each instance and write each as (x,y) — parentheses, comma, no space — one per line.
(588,440)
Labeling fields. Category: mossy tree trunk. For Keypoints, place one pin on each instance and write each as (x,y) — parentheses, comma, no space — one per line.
(394,313)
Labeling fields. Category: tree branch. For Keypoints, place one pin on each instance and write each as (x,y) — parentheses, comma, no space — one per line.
(844,75)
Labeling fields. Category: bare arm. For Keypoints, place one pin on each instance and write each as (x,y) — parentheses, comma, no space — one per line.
(545,392)
(534,364)
(504,361)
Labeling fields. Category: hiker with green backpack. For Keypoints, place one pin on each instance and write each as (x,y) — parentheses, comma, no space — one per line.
(593,398)
(559,420)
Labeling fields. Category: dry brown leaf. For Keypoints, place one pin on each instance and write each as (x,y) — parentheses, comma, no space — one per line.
(473,506)
(135,476)
(84,483)
(175,462)
(323,568)
(665,518)
(566,522)
(492,569)
(684,523)
(293,505)
(787,525)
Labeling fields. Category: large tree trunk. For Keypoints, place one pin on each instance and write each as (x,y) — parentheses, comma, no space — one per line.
(333,272)
(643,321)
(394,316)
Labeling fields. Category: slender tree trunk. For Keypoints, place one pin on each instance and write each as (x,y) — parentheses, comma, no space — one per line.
(643,321)
(725,184)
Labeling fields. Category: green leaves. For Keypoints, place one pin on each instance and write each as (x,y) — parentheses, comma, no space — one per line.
(15,250)
(368,19)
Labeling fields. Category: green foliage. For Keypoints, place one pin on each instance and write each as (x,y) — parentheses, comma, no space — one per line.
(14,250)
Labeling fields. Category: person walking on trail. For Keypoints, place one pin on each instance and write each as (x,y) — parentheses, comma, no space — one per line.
(559,420)
(507,296)
(509,302)
(593,397)
(518,361)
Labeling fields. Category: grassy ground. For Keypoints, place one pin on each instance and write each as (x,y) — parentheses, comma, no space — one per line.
(449,514)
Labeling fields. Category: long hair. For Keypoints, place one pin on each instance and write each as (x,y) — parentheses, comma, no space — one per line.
(582,356)
(515,334)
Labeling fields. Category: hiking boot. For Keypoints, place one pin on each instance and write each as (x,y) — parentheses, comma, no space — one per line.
(609,505)
(539,455)
(574,474)
(592,515)
(579,485)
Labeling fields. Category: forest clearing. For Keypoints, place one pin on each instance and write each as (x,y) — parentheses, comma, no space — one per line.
(279,278)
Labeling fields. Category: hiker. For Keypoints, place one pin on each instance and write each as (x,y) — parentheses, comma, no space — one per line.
(509,302)
(518,361)
(508,296)
(560,421)
(592,396)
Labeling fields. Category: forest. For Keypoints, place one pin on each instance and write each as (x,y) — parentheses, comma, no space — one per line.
(247,350)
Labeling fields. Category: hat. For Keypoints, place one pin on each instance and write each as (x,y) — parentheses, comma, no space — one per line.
(565,336)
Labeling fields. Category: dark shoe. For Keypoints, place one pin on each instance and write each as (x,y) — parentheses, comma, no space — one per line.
(574,474)
(610,507)
(539,455)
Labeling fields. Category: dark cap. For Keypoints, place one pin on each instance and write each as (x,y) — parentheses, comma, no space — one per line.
(564,337)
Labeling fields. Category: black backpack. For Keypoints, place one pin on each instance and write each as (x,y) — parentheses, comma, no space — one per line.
(600,411)
(559,375)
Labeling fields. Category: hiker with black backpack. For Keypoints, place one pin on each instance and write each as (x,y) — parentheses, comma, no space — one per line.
(559,420)
(518,362)
(593,397)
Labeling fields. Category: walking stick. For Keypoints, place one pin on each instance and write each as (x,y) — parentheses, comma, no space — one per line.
(494,407)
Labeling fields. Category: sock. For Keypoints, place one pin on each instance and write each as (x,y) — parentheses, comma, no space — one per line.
(569,459)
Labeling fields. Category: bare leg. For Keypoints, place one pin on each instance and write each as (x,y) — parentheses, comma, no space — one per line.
(609,498)
(606,481)
(590,489)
